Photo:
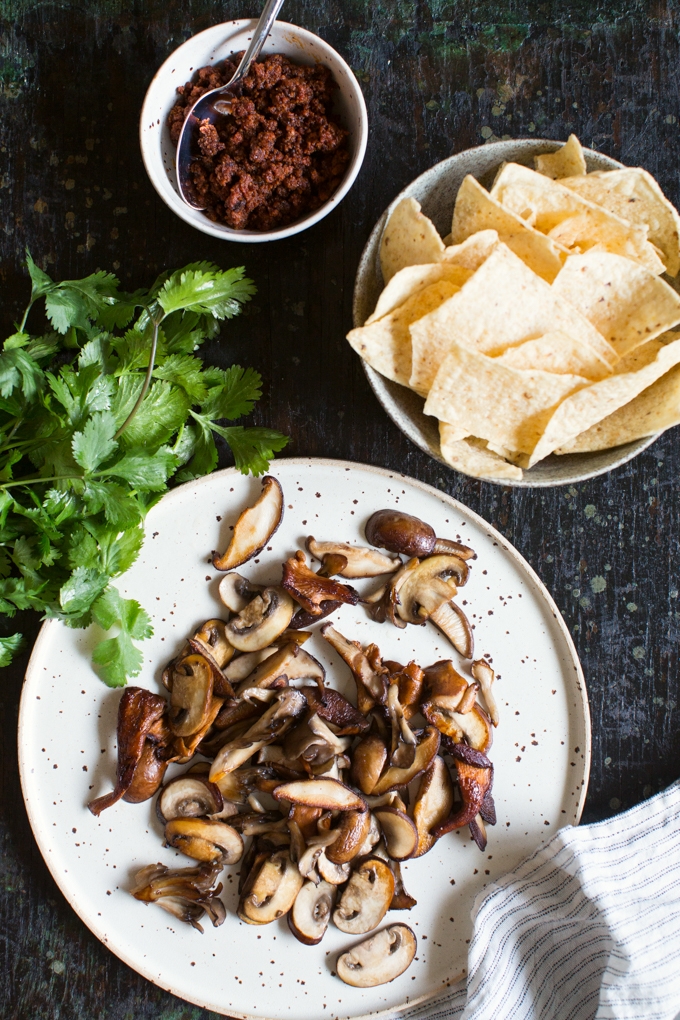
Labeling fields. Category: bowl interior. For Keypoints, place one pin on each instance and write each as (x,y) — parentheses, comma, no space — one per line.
(210,47)
(436,191)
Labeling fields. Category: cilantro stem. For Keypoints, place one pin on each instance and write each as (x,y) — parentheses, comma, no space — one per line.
(22,325)
(36,479)
(147,381)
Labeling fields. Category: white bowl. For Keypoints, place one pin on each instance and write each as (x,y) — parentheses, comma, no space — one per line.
(436,191)
(211,46)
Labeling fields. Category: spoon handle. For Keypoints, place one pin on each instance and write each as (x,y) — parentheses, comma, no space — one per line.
(262,30)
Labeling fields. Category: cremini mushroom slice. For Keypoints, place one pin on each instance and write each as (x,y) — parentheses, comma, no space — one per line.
(401,835)
(371,685)
(254,528)
(328,794)
(205,839)
(372,837)
(336,874)
(368,761)
(142,734)
(430,585)
(378,960)
(443,690)
(360,561)
(353,830)
(475,778)
(386,601)
(236,591)
(262,621)
(366,898)
(484,674)
(186,893)
(188,796)
(191,695)
(313,742)
(221,686)
(256,824)
(273,890)
(395,777)
(237,786)
(402,533)
(213,637)
(401,899)
(453,622)
(433,803)
(311,912)
(478,831)
(275,722)
(310,589)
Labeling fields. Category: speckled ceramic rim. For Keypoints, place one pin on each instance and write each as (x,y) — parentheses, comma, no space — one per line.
(405,407)
(309,463)
(213,44)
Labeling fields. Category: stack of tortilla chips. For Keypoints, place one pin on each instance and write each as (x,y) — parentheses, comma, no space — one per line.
(541,324)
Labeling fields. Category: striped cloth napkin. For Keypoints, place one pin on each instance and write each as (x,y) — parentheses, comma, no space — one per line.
(588,928)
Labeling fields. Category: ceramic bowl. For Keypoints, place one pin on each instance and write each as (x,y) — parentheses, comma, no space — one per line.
(436,191)
(211,46)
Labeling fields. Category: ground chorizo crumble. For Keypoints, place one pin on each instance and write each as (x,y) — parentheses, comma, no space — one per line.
(279,154)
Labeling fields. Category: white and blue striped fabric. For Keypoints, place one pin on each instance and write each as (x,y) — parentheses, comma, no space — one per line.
(588,928)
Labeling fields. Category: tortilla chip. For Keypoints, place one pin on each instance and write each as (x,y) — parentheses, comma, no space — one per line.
(409,239)
(571,220)
(582,410)
(411,280)
(624,301)
(472,457)
(505,406)
(657,408)
(503,304)
(568,161)
(473,251)
(386,343)
(634,195)
(557,352)
(476,210)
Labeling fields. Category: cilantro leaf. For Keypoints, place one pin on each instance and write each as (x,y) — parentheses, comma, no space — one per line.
(95,443)
(18,370)
(185,371)
(9,646)
(162,413)
(120,507)
(83,586)
(117,657)
(234,395)
(206,290)
(253,448)
(40,281)
(147,472)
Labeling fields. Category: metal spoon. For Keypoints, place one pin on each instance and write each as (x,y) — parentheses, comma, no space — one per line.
(217,103)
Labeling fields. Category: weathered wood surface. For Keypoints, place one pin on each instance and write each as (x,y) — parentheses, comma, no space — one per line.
(438,76)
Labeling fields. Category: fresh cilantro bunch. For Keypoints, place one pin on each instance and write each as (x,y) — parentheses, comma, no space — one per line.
(98,417)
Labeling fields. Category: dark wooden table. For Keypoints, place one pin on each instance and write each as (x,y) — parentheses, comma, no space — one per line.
(438,77)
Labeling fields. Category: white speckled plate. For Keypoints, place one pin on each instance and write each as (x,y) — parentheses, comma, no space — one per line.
(67,746)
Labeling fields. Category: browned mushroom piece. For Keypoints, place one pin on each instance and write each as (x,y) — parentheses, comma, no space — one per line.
(444,689)
(368,761)
(488,808)
(141,720)
(475,777)
(401,835)
(235,787)
(386,601)
(329,794)
(402,533)
(313,742)
(308,920)
(469,699)
(276,721)
(371,685)
(310,589)
(221,685)
(188,796)
(378,960)
(205,839)
(262,621)
(478,831)
(334,708)
(401,900)
(366,897)
(254,528)
(212,636)
(303,619)
(453,622)
(290,662)
(395,777)
(273,890)
(352,831)
(190,695)
(433,803)
(243,665)
(359,561)
(186,893)
(403,745)
(301,821)
(484,674)
(409,680)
